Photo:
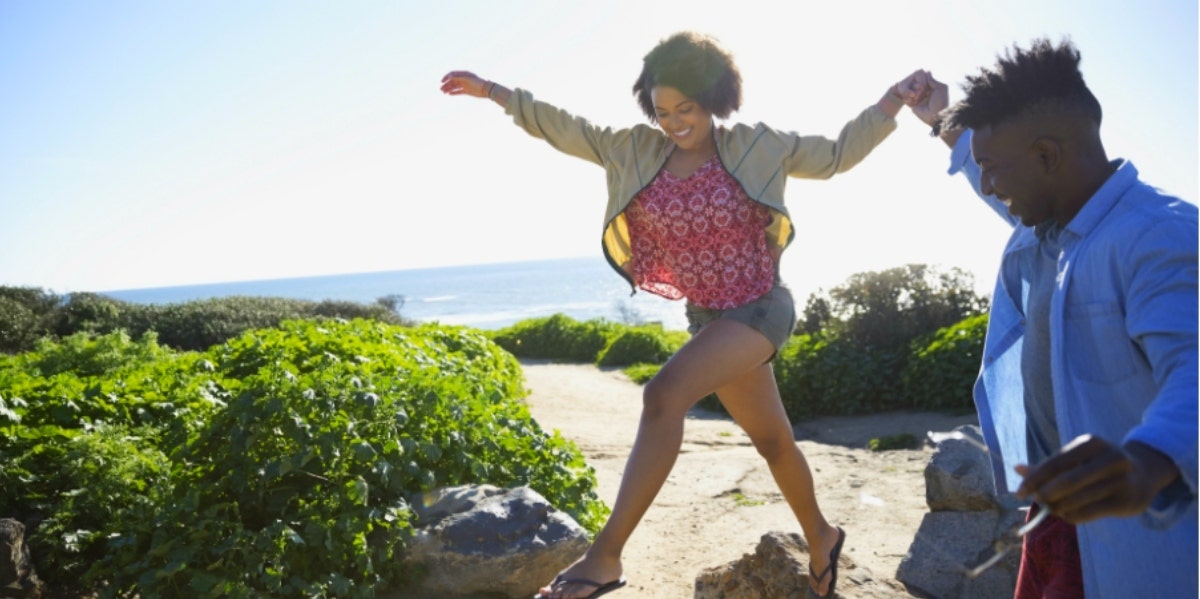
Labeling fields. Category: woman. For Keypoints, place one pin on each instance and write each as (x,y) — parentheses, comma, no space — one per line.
(695,212)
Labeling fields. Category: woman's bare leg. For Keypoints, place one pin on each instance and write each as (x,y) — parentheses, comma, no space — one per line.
(723,352)
(753,401)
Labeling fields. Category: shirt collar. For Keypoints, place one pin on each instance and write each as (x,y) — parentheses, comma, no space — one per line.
(1093,211)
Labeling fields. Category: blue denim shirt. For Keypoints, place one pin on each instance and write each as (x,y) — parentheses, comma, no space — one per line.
(1123,362)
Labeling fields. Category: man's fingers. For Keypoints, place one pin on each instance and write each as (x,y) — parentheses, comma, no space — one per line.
(1072,456)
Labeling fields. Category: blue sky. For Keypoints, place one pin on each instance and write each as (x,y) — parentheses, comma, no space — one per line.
(148,144)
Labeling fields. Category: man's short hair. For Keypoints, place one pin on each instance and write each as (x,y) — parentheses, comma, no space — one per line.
(1044,77)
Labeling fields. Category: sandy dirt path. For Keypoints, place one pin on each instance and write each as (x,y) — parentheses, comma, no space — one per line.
(720,498)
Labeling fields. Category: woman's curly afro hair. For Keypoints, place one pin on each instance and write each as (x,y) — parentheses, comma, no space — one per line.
(698,67)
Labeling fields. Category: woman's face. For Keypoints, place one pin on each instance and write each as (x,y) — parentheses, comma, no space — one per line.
(687,123)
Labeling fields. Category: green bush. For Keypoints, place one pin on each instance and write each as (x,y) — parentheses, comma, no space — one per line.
(75,488)
(91,313)
(942,367)
(641,344)
(29,314)
(20,327)
(820,376)
(110,379)
(890,442)
(641,373)
(888,309)
(558,337)
(281,463)
(301,486)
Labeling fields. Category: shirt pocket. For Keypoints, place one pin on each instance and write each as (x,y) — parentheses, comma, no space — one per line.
(1096,345)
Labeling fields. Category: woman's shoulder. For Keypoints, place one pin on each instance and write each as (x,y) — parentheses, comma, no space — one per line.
(746,131)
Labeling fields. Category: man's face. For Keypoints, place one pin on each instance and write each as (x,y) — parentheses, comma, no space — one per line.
(1013,172)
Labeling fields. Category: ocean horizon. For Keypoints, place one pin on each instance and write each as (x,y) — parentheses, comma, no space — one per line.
(484,296)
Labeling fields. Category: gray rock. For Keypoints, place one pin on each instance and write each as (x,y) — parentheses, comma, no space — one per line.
(484,541)
(967,517)
(959,475)
(17,577)
(949,544)
(778,569)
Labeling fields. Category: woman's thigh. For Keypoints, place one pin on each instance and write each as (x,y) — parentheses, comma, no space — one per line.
(724,351)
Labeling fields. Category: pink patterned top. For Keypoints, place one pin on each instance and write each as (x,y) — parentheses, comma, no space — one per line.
(701,238)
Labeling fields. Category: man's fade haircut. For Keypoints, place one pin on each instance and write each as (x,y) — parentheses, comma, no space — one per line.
(696,65)
(1044,77)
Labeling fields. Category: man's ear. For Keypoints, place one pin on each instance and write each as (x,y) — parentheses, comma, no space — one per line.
(1049,154)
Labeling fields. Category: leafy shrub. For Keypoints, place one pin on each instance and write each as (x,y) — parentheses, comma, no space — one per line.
(942,367)
(641,344)
(557,337)
(85,380)
(888,309)
(641,373)
(74,487)
(91,313)
(301,486)
(28,314)
(819,376)
(890,442)
(20,327)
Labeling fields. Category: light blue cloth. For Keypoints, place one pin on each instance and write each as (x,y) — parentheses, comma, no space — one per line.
(1123,363)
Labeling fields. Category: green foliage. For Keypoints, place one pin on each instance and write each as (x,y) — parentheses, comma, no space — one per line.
(281,463)
(641,344)
(888,309)
(558,337)
(301,486)
(641,373)
(78,486)
(856,339)
(91,313)
(85,380)
(26,315)
(942,367)
(820,376)
(890,442)
(29,314)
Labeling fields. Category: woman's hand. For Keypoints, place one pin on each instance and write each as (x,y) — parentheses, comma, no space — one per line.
(916,87)
(928,105)
(457,83)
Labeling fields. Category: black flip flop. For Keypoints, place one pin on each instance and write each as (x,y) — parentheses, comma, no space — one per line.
(831,569)
(601,589)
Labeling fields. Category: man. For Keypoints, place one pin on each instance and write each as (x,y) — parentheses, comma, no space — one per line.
(1088,392)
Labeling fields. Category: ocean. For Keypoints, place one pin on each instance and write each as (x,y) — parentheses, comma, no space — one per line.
(485,296)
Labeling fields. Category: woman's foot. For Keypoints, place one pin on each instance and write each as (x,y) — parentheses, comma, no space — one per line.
(597,571)
(822,567)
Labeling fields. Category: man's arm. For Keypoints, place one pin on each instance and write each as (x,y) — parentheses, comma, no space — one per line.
(927,106)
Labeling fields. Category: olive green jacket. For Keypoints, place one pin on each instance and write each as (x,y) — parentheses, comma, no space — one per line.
(759,158)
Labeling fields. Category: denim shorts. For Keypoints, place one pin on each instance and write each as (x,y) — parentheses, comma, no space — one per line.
(773,314)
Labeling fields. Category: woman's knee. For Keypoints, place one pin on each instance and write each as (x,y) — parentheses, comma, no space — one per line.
(773,446)
(662,400)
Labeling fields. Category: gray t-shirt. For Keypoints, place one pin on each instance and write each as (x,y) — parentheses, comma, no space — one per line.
(1040,420)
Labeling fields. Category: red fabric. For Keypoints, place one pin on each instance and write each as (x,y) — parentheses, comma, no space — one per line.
(1050,567)
(701,238)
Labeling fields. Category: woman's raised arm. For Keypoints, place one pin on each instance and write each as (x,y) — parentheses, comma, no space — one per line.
(457,83)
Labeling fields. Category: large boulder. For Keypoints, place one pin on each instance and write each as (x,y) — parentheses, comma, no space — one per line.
(966,517)
(959,475)
(484,541)
(778,569)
